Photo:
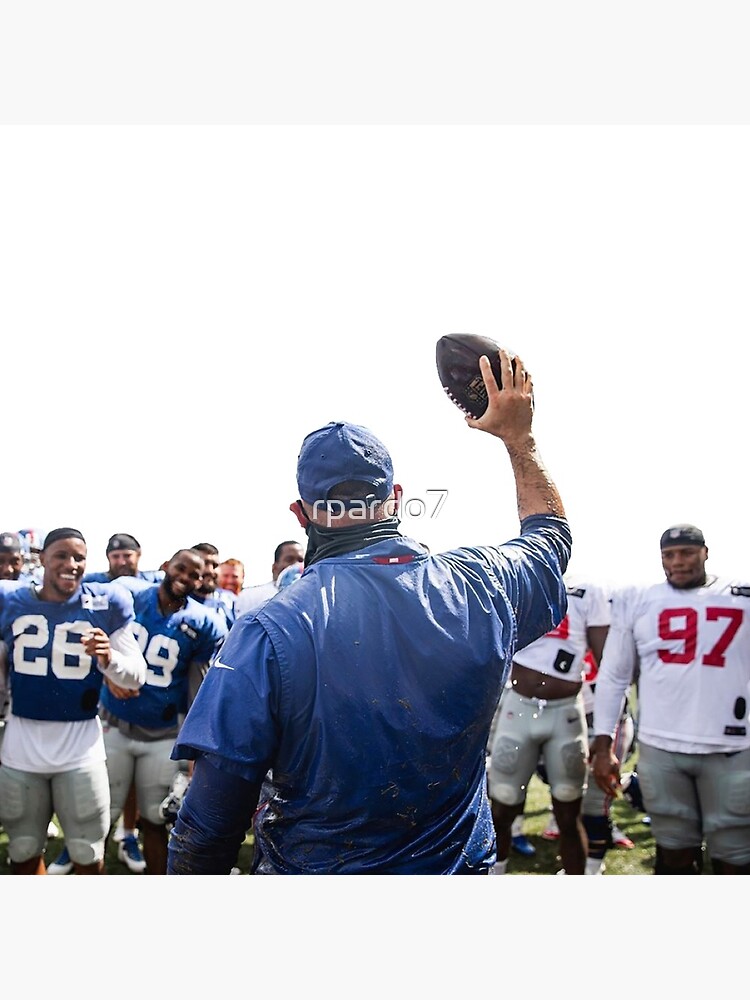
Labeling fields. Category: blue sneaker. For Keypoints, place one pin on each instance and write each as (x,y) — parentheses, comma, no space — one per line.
(129,852)
(522,845)
(62,866)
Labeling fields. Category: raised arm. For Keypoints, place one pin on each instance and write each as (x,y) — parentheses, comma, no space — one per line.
(509,416)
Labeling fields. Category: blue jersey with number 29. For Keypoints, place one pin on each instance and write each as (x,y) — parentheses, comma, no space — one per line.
(169,643)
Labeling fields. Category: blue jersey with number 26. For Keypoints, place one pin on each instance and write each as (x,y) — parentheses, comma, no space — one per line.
(52,677)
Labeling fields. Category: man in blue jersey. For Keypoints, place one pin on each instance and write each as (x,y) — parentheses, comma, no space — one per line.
(208,592)
(11,556)
(61,638)
(368,687)
(14,549)
(177,637)
(11,567)
(124,555)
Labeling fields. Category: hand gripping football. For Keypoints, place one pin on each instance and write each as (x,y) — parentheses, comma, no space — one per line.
(457,356)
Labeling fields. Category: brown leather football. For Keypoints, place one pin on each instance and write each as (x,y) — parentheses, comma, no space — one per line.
(457,356)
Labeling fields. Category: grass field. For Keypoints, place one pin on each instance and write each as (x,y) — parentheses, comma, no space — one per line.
(638,861)
(113,865)
(546,861)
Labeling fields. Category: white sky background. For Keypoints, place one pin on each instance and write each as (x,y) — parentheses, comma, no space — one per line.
(182,305)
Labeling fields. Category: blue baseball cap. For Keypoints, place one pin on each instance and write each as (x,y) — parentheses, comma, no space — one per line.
(339,453)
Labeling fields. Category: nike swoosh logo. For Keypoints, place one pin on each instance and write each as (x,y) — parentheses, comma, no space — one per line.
(217,663)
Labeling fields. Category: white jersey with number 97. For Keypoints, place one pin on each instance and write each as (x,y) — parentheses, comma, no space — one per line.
(693,647)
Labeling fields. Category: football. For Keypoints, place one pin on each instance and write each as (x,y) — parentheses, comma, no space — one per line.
(457,356)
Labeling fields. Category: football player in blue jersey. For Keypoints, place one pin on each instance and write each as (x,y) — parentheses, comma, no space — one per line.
(177,637)
(11,568)
(123,555)
(208,592)
(61,639)
(31,548)
(11,556)
(368,687)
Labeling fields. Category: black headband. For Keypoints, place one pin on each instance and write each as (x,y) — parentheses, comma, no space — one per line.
(57,534)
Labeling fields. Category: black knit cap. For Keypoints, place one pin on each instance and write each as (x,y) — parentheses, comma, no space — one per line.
(57,535)
(123,540)
(682,534)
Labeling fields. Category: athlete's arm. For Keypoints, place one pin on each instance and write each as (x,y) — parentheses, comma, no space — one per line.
(120,658)
(613,681)
(212,823)
(612,684)
(509,417)
(596,636)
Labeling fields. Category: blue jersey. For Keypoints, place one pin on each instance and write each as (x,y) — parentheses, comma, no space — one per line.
(169,645)
(51,676)
(135,584)
(221,604)
(368,688)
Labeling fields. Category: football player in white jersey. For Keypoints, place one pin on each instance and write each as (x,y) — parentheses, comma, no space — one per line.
(601,831)
(542,712)
(596,810)
(690,638)
(287,553)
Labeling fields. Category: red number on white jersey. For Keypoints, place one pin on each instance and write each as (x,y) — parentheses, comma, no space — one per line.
(562,631)
(688,633)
